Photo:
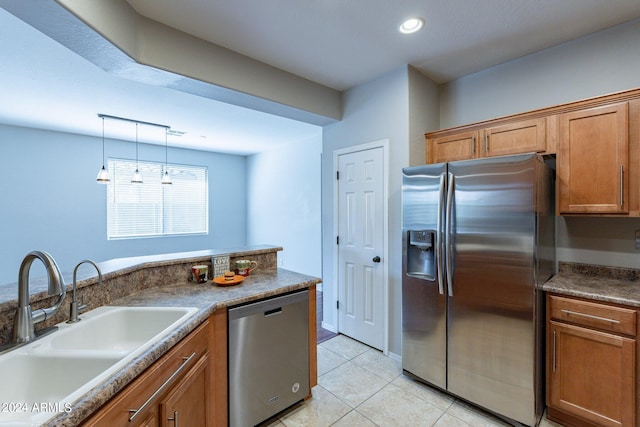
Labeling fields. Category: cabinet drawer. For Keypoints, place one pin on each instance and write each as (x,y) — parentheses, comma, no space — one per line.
(595,315)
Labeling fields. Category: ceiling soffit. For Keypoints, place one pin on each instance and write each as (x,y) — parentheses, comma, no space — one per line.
(113,36)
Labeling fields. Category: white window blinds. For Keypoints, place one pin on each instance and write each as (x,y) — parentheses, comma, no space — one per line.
(152,209)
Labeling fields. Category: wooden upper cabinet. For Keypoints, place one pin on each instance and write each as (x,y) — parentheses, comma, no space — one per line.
(526,136)
(593,158)
(460,146)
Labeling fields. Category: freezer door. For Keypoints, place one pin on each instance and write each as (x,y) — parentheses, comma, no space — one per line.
(423,300)
(492,330)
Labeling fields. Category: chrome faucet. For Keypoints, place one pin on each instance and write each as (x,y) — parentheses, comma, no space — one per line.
(25,318)
(74,308)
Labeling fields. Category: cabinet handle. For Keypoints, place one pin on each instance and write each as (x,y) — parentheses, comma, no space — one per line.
(621,185)
(134,412)
(486,142)
(174,419)
(473,145)
(554,352)
(590,316)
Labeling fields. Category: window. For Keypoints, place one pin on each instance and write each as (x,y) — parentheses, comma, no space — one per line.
(152,209)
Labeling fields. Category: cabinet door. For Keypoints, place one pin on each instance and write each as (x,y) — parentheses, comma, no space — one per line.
(461,146)
(592,375)
(150,421)
(514,138)
(189,402)
(593,160)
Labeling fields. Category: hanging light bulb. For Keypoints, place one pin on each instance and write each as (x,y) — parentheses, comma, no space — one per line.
(137,176)
(103,175)
(166,179)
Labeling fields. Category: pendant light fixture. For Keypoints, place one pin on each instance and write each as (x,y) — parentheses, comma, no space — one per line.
(103,175)
(166,179)
(137,176)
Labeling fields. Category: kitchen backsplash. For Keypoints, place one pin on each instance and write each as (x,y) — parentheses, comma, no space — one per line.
(127,280)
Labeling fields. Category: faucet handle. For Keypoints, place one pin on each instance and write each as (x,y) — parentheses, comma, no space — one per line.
(82,307)
(75,309)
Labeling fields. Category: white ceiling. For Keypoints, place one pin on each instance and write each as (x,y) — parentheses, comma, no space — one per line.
(341,43)
(47,86)
(337,43)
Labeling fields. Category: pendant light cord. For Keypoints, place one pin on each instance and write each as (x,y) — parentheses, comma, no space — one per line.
(103,142)
(137,175)
(136,147)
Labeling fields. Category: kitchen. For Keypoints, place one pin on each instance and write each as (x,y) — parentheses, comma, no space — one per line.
(605,62)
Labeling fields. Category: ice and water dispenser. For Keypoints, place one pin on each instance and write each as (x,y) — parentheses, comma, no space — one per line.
(421,258)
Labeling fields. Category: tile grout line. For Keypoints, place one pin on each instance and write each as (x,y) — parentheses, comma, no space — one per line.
(370,360)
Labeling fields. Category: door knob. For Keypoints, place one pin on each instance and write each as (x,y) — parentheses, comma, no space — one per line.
(376,259)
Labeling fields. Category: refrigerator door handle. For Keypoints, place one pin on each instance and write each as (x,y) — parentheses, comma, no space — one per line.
(448,234)
(439,241)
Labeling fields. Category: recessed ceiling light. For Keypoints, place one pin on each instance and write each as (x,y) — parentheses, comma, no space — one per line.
(412,25)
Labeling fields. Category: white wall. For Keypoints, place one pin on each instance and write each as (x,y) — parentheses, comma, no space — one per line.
(51,201)
(423,114)
(598,241)
(375,111)
(601,63)
(284,206)
(598,64)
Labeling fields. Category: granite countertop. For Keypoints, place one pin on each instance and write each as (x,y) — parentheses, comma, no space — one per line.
(207,298)
(606,284)
(119,266)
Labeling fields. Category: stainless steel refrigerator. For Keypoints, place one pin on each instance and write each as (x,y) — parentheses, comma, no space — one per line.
(478,239)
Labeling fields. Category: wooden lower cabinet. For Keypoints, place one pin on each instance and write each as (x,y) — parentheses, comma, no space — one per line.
(188,403)
(591,368)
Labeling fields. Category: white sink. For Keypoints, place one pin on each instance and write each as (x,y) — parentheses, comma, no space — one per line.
(118,329)
(36,384)
(45,377)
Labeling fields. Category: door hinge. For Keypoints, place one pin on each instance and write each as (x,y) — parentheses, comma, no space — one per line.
(337,240)
(338,175)
(337,305)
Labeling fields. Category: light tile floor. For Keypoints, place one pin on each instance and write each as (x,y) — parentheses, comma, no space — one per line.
(359,386)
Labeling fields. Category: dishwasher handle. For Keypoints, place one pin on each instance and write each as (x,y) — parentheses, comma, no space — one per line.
(273,312)
(269,306)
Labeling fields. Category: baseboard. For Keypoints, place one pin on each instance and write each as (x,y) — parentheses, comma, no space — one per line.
(395,356)
(329,327)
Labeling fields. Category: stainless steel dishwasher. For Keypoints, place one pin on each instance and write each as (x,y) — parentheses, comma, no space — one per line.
(268,357)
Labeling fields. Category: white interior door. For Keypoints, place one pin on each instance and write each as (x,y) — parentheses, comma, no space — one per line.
(361,207)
